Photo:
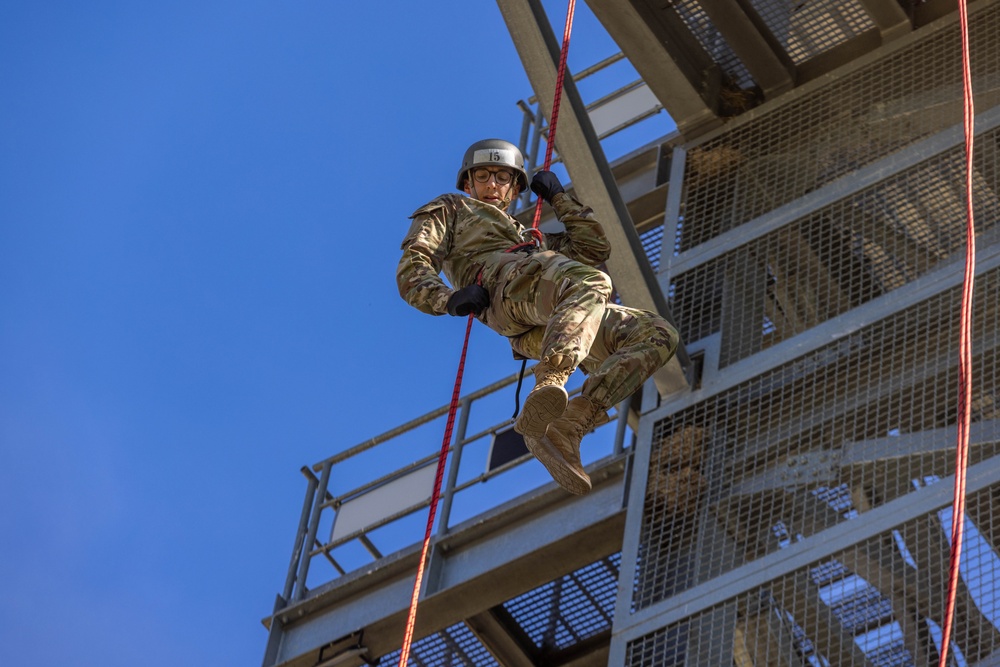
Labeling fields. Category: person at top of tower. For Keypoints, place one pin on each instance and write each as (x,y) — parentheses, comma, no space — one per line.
(549,300)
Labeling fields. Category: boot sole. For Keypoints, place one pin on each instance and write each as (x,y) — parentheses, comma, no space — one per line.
(542,407)
(575,481)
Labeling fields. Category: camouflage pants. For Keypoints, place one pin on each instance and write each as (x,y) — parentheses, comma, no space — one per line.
(551,307)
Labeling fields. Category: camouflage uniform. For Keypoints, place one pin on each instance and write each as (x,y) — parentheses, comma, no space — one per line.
(551,304)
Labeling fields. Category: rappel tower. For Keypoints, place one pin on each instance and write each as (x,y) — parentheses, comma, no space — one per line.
(781,493)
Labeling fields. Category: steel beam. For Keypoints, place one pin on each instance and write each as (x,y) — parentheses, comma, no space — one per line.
(677,93)
(890,18)
(494,636)
(751,46)
(588,168)
(827,466)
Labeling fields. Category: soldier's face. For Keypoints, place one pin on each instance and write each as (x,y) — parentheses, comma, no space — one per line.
(489,189)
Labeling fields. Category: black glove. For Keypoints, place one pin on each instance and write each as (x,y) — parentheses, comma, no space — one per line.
(472,299)
(546,185)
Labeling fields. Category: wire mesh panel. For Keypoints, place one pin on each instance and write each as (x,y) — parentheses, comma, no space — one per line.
(549,622)
(570,609)
(807,29)
(735,476)
(838,257)
(696,19)
(879,602)
(652,245)
(453,647)
(849,297)
(778,156)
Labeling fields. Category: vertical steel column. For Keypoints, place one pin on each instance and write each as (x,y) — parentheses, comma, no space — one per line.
(300,534)
(672,216)
(527,123)
(317,508)
(623,409)
(536,140)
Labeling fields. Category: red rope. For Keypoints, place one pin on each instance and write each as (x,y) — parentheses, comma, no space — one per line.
(550,142)
(964,348)
(404,654)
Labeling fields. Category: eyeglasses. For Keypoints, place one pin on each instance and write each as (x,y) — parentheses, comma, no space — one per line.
(501,176)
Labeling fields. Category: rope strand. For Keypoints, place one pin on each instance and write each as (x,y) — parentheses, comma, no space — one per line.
(411,618)
(550,142)
(964,348)
(404,655)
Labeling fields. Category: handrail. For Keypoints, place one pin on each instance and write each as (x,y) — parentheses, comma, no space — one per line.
(410,425)
(593,69)
(320,503)
(534,127)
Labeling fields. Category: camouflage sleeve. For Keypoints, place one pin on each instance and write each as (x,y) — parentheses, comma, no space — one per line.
(584,238)
(424,249)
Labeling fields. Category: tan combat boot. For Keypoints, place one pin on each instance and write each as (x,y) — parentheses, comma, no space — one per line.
(569,476)
(564,436)
(546,402)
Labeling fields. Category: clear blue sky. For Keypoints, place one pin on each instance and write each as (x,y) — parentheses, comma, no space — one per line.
(201,205)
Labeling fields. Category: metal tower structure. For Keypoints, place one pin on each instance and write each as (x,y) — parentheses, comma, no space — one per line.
(780,495)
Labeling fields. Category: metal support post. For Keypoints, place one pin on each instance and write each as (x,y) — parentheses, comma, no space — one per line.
(623,409)
(300,534)
(317,508)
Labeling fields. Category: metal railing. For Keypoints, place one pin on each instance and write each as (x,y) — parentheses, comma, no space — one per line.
(321,508)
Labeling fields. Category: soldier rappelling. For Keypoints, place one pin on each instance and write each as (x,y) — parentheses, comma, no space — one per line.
(547,297)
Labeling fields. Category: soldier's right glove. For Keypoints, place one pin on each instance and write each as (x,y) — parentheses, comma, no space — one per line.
(471,299)
(546,185)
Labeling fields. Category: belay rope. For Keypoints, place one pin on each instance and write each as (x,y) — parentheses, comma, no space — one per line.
(404,654)
(964,347)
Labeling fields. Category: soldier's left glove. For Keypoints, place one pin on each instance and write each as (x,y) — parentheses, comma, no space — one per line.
(546,185)
(470,299)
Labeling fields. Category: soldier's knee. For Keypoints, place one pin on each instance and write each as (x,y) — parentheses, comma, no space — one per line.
(528,344)
(664,338)
(578,278)
(599,282)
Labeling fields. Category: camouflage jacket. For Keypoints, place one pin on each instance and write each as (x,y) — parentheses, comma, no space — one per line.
(461,236)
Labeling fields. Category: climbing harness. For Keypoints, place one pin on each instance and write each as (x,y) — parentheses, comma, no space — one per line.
(964,347)
(536,239)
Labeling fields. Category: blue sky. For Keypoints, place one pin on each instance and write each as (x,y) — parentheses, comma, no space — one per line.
(201,205)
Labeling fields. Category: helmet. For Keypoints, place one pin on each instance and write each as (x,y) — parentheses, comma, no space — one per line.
(494,152)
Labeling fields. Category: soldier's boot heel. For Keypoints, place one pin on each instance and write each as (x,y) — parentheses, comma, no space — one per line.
(567,474)
(542,406)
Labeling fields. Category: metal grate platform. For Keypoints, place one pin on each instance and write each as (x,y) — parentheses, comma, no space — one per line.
(772,157)
(808,29)
(788,505)
(452,647)
(570,609)
(549,624)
